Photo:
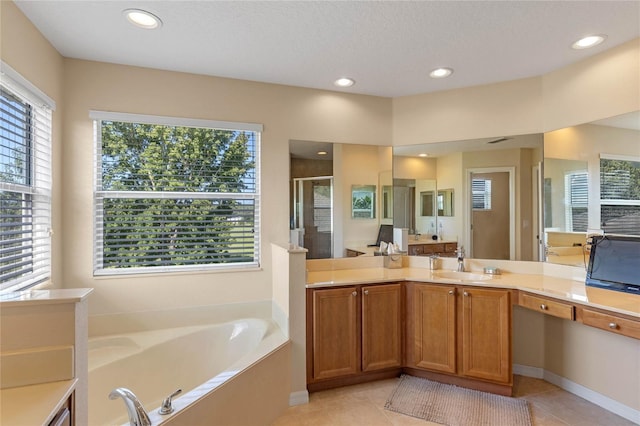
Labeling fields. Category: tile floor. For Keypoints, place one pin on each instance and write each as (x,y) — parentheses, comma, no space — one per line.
(364,405)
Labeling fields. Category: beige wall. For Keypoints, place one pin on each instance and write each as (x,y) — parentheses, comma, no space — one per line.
(286,113)
(24,49)
(357,165)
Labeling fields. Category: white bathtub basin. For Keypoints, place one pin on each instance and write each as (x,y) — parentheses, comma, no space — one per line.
(461,276)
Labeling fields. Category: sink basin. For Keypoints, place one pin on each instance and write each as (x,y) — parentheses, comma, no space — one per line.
(461,276)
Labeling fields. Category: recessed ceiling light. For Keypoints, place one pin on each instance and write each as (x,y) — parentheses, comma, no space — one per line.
(142,19)
(441,73)
(590,41)
(423,155)
(322,153)
(344,82)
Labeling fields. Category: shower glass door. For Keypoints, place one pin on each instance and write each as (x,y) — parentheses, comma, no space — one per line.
(313,200)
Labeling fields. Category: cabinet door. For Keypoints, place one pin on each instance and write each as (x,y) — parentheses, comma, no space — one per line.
(335,332)
(486,334)
(434,327)
(381,327)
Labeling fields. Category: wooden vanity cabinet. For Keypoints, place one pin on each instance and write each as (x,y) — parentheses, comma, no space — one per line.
(353,332)
(439,249)
(461,334)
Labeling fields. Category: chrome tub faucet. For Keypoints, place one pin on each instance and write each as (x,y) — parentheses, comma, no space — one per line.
(137,415)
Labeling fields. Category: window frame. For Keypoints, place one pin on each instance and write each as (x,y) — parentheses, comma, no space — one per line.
(613,201)
(99,194)
(38,187)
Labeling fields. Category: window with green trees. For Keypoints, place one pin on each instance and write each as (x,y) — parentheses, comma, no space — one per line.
(620,194)
(173,196)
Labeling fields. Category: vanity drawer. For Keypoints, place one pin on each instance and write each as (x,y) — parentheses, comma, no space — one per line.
(432,248)
(609,322)
(547,306)
(450,247)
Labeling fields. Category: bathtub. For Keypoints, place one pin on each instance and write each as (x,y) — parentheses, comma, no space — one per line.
(202,360)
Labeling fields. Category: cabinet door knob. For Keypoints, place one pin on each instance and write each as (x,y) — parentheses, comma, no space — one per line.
(464,293)
(355,293)
(366,292)
(543,307)
(451,292)
(613,325)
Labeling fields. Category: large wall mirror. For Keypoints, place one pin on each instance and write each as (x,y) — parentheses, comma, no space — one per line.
(592,185)
(482,194)
(340,195)
(449,190)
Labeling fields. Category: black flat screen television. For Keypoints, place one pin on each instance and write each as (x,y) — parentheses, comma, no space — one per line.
(614,263)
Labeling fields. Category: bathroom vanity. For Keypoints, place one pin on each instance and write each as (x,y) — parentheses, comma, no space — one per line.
(369,323)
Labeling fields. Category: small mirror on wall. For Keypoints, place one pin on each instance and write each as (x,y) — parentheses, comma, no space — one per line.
(445,202)
(427,203)
(363,201)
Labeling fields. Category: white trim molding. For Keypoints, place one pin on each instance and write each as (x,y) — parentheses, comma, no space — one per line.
(592,396)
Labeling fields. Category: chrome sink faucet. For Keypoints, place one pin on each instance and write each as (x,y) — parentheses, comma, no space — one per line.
(460,255)
(137,415)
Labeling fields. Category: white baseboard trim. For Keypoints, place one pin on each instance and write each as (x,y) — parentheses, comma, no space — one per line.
(298,398)
(594,397)
(525,370)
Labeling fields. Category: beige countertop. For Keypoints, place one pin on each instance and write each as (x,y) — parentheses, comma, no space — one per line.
(34,405)
(44,297)
(560,288)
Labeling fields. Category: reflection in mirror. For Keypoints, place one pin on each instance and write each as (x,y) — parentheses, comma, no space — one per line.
(427,203)
(386,197)
(445,202)
(363,201)
(592,184)
(450,166)
(347,165)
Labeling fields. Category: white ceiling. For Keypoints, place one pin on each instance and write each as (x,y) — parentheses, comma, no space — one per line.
(388,47)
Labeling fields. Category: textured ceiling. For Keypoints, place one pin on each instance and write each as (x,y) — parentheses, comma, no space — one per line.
(388,47)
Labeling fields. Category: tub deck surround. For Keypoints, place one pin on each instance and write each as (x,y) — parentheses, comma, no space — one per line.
(199,359)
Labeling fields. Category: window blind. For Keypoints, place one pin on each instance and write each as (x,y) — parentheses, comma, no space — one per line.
(481,194)
(171,196)
(620,194)
(25,185)
(576,200)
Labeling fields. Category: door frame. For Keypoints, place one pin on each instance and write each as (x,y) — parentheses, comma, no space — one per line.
(512,206)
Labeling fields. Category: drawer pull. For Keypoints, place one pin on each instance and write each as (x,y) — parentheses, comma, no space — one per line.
(366,292)
(465,294)
(544,307)
(451,292)
(613,325)
(355,293)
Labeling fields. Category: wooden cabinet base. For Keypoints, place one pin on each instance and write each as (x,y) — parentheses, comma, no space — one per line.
(461,381)
(353,380)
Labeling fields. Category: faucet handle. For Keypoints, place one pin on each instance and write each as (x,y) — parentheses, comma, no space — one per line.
(166,407)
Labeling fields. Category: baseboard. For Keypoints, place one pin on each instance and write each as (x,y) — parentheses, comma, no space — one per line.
(594,397)
(525,370)
(298,398)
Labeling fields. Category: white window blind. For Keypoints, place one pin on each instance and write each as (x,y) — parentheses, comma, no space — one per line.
(620,194)
(175,194)
(576,192)
(25,183)
(481,194)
